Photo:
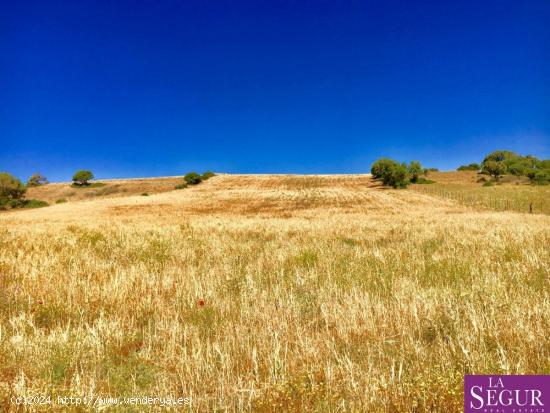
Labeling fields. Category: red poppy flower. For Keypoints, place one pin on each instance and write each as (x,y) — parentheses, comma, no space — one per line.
(200,302)
(40,302)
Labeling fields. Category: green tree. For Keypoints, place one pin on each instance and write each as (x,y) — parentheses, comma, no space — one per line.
(12,190)
(192,178)
(82,177)
(37,180)
(381,167)
(494,168)
(540,177)
(396,176)
(500,156)
(207,174)
(415,170)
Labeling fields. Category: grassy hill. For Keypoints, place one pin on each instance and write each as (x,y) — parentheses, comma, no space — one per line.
(510,193)
(263,292)
(103,189)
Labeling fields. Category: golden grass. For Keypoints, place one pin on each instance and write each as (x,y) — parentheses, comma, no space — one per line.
(109,188)
(321,294)
(509,194)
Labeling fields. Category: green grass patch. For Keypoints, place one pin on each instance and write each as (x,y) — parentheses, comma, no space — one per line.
(34,203)
(424,181)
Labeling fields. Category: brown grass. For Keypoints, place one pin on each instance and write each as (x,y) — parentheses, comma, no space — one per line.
(321,294)
(111,188)
(510,193)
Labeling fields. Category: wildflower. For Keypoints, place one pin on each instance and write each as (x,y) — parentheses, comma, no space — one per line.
(200,302)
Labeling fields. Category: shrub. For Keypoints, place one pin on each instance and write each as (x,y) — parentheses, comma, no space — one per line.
(10,203)
(11,187)
(207,175)
(422,181)
(523,165)
(37,180)
(539,177)
(381,167)
(500,156)
(396,176)
(12,191)
(414,170)
(60,201)
(392,173)
(181,186)
(34,203)
(488,183)
(145,194)
(82,177)
(494,168)
(192,178)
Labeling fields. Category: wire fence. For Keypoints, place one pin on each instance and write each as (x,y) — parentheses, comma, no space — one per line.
(524,203)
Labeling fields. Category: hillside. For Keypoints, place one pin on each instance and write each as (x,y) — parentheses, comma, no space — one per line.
(272,293)
(246,196)
(103,189)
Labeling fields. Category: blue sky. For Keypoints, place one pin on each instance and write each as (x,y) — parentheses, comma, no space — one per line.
(151,88)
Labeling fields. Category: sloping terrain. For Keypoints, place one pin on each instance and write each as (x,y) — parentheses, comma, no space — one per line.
(103,189)
(271,293)
(276,196)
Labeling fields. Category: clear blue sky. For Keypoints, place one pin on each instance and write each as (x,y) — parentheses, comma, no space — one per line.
(149,88)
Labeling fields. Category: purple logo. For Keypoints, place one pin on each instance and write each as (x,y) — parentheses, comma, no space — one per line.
(506,394)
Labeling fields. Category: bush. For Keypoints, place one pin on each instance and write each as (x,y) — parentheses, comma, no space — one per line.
(34,203)
(82,177)
(11,187)
(60,201)
(488,183)
(37,180)
(10,203)
(145,194)
(12,191)
(381,167)
(207,175)
(494,168)
(396,176)
(540,177)
(500,156)
(181,186)
(192,178)
(414,170)
(523,165)
(498,163)
(422,181)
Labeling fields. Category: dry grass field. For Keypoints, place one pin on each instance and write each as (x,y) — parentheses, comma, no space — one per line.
(511,193)
(105,189)
(320,293)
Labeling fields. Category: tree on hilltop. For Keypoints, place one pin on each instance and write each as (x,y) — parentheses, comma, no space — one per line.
(494,168)
(82,177)
(37,180)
